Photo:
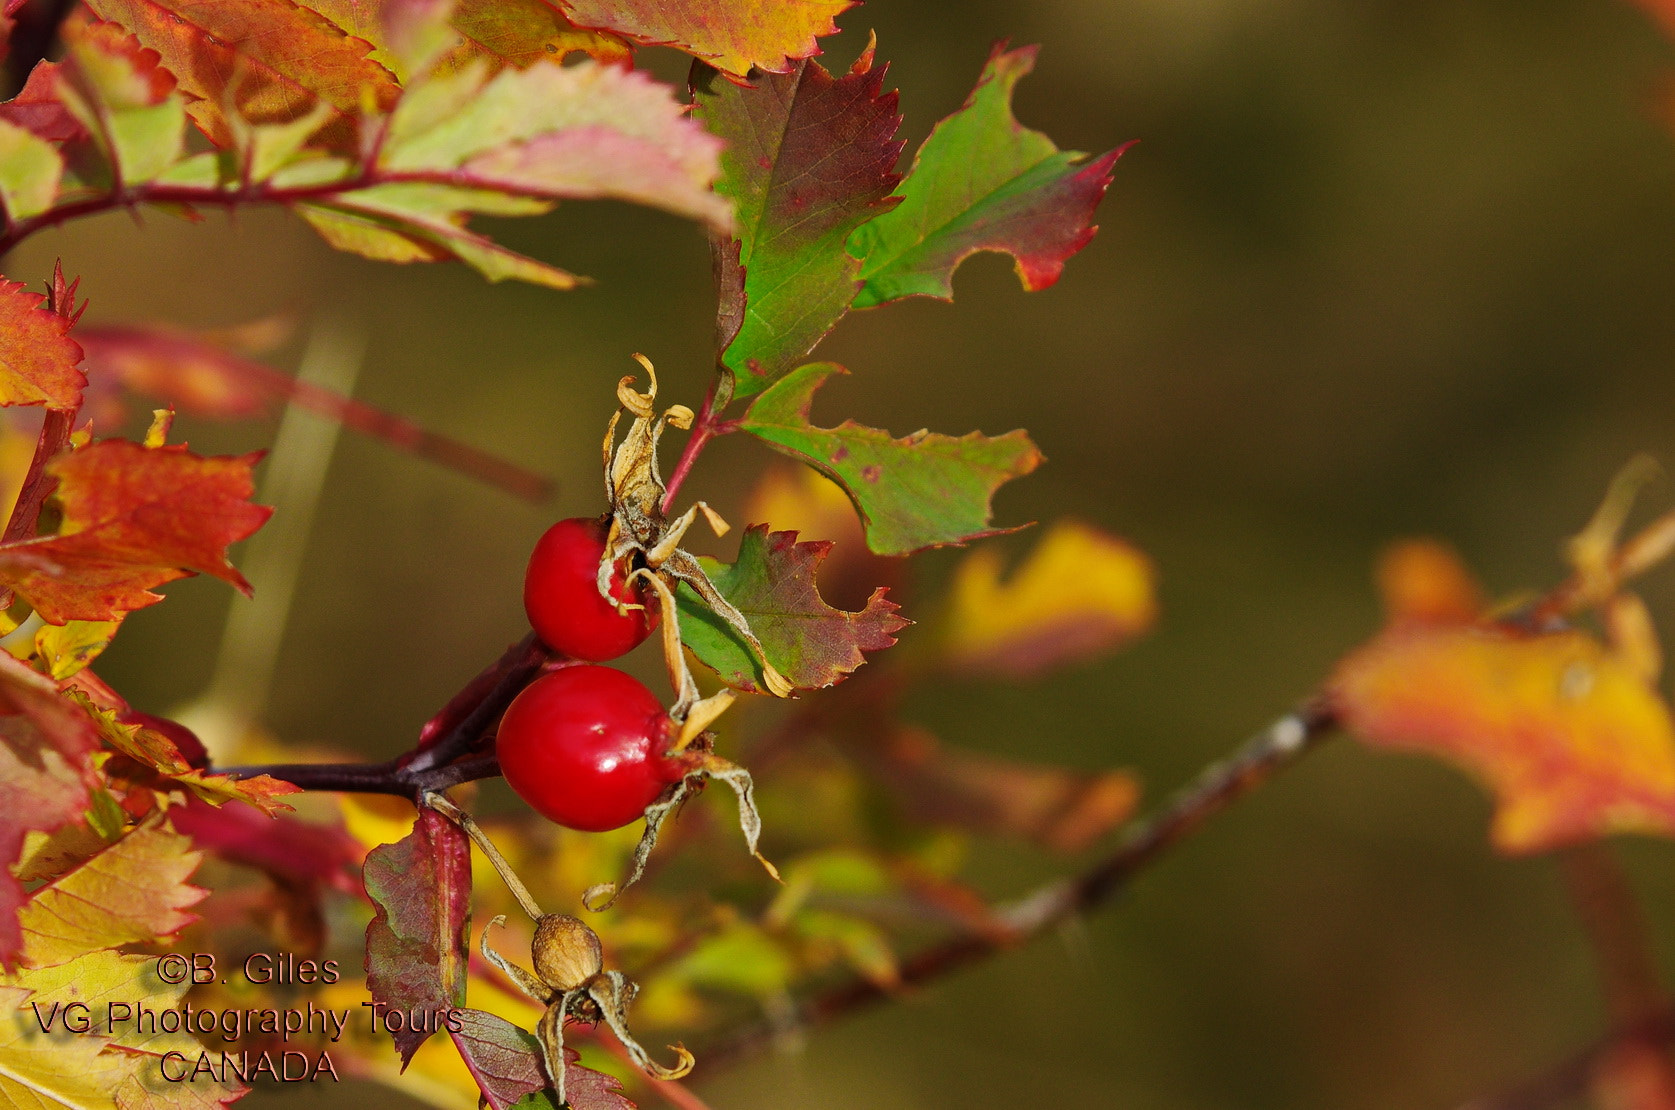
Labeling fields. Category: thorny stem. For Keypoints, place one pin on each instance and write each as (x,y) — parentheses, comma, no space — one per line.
(1264,755)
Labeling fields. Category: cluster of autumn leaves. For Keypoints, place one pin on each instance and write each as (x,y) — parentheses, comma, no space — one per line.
(386,126)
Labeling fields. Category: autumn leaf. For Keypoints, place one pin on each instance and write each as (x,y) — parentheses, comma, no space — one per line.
(38,359)
(773,584)
(731,37)
(1424,581)
(40,790)
(1573,743)
(133,517)
(982,182)
(506,1063)
(924,490)
(30,171)
(1078,594)
(151,750)
(416,944)
(502,32)
(809,158)
(272,60)
(38,1070)
(990,795)
(292,850)
(135,890)
(555,132)
(147,869)
(124,99)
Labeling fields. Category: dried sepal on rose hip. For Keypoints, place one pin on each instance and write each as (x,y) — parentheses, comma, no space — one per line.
(570,979)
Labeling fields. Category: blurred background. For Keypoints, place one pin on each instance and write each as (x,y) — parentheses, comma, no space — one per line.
(1376,268)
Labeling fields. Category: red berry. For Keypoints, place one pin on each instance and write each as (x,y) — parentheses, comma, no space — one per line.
(561,594)
(585,747)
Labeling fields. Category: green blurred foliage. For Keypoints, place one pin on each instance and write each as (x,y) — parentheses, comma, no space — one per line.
(1377,267)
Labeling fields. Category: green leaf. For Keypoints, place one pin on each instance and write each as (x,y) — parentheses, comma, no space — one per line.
(416,942)
(809,159)
(30,168)
(982,182)
(773,585)
(924,490)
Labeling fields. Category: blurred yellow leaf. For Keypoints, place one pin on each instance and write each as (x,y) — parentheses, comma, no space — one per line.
(1080,593)
(1573,743)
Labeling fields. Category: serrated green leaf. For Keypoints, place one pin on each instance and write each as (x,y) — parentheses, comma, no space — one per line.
(923,490)
(982,182)
(773,584)
(809,159)
(30,168)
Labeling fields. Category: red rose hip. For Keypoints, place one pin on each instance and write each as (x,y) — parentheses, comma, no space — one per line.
(584,746)
(561,594)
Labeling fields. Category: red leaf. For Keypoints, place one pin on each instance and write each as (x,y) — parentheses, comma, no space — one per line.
(133,517)
(39,789)
(38,359)
(506,1063)
(290,849)
(37,108)
(416,945)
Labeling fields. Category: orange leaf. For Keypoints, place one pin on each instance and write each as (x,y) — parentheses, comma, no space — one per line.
(1424,581)
(37,356)
(731,37)
(1571,741)
(273,59)
(133,517)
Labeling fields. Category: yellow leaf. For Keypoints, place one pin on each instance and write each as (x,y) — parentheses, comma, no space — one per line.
(1573,743)
(135,890)
(67,648)
(41,1070)
(1080,593)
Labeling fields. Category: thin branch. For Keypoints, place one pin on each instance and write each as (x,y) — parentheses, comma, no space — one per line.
(1615,925)
(1264,755)
(450,744)
(1572,1077)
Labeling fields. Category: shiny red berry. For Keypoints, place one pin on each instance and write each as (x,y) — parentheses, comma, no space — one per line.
(585,747)
(561,594)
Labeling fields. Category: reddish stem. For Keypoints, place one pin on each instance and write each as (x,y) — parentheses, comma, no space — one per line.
(704,428)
